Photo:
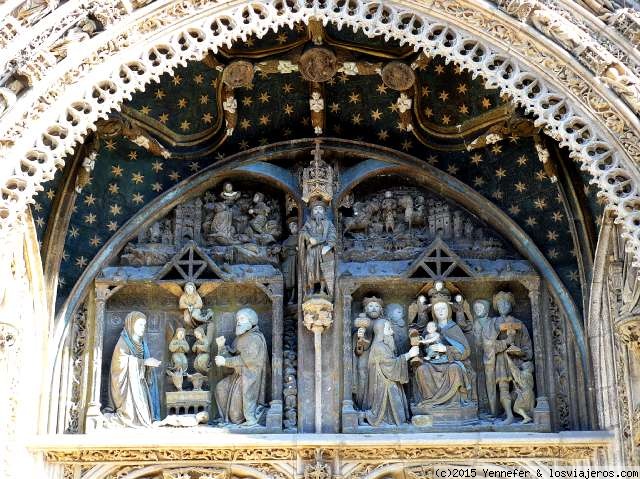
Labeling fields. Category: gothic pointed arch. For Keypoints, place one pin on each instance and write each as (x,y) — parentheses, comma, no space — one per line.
(561,83)
(570,104)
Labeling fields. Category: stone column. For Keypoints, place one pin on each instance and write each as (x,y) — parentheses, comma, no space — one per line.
(349,414)
(94,417)
(274,416)
(318,316)
(542,413)
(24,337)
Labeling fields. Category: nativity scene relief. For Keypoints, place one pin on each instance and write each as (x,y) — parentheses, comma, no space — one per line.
(214,317)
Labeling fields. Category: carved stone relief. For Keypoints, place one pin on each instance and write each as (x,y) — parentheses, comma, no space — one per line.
(436,370)
(397,224)
(232,226)
(439,339)
(78,347)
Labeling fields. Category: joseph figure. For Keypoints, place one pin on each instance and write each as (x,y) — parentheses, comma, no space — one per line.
(241,395)
(317,243)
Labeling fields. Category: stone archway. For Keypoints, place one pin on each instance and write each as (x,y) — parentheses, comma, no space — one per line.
(547,76)
(66,98)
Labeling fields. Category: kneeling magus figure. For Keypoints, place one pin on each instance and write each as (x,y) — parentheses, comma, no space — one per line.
(241,395)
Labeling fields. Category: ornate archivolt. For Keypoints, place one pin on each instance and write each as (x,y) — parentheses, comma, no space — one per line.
(575,76)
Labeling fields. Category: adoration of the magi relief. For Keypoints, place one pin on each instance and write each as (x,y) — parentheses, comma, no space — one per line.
(230,311)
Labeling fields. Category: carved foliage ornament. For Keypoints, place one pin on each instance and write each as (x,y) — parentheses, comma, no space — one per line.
(40,151)
(566,450)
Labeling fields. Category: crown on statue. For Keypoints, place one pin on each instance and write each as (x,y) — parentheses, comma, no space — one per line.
(439,294)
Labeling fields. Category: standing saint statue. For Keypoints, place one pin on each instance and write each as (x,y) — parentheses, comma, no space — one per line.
(484,335)
(362,339)
(445,383)
(241,395)
(511,339)
(133,390)
(387,373)
(317,243)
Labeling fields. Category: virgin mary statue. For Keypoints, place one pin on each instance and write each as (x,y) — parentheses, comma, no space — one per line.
(133,387)
(445,383)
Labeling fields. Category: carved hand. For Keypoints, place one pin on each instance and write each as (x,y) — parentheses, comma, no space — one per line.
(152,362)
(413,352)
(326,249)
(313,241)
(360,333)
(220,360)
(220,340)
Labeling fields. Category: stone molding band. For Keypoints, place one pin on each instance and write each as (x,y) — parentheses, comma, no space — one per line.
(582,445)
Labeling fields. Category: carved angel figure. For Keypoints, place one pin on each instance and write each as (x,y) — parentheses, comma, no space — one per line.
(201,347)
(191,304)
(32,11)
(419,313)
(559,28)
(623,83)
(178,348)
(71,42)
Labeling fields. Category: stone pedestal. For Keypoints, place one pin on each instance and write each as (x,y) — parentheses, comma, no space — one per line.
(437,416)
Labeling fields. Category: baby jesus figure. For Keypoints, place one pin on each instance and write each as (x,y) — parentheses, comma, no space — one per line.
(436,350)
(183,420)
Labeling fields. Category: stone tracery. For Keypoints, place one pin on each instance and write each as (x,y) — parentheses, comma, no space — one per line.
(185,233)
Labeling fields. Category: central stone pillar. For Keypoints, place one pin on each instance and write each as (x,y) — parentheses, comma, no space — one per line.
(318,316)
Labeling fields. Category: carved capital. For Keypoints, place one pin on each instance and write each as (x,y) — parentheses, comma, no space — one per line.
(318,469)
(628,330)
(318,314)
